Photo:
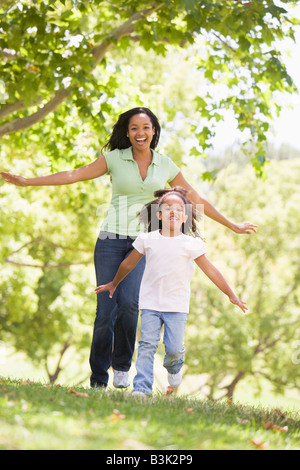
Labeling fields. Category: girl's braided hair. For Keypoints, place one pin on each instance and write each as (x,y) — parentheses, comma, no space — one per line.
(149,219)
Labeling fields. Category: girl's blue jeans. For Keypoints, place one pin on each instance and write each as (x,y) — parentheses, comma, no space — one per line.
(116,319)
(151,323)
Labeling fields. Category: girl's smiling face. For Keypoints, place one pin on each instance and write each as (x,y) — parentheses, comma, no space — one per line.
(172,214)
(140,131)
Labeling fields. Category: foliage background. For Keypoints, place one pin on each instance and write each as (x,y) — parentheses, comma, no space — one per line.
(47,234)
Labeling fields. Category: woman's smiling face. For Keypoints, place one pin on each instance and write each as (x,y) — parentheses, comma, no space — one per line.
(140,131)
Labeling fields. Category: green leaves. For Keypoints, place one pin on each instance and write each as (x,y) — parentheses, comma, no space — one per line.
(51,45)
(263,270)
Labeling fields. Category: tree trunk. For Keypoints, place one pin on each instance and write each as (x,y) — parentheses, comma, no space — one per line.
(53,377)
(231,387)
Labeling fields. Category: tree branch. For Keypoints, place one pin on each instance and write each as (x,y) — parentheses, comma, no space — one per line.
(42,266)
(14,107)
(28,121)
(46,266)
(98,52)
(125,29)
(228,46)
(11,108)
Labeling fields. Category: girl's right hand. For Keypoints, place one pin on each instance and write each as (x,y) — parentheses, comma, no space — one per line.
(110,287)
(14,179)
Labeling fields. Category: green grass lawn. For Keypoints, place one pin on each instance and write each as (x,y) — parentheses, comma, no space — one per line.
(36,416)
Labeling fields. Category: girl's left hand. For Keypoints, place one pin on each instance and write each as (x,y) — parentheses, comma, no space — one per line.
(246,227)
(110,287)
(234,300)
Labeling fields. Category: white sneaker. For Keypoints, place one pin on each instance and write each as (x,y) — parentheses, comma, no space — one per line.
(121,379)
(175,379)
(137,393)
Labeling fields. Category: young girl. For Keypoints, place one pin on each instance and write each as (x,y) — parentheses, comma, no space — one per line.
(165,289)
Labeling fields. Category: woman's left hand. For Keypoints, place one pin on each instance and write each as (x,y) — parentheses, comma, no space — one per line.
(246,227)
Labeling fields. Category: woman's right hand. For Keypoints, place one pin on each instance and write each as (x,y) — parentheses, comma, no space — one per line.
(14,179)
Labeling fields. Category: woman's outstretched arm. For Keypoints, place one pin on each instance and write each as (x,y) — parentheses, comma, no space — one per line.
(209,209)
(84,173)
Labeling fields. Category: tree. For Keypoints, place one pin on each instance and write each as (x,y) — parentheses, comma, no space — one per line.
(264,271)
(58,68)
(47,237)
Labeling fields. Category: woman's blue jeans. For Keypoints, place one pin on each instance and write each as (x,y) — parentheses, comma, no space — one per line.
(116,319)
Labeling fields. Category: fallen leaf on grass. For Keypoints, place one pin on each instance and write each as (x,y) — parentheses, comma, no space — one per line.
(77,394)
(28,382)
(258,443)
(280,428)
(190,411)
(242,421)
(170,391)
(116,416)
(275,427)
(51,386)
(267,425)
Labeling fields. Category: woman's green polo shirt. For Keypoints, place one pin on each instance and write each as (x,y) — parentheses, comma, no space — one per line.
(129,192)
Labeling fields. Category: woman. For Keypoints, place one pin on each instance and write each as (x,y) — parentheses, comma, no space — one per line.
(136,171)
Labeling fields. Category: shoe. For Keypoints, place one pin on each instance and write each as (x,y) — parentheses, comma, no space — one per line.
(175,379)
(121,379)
(137,393)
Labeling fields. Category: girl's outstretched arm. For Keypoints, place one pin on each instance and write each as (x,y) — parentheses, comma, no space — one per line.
(125,267)
(216,277)
(93,170)
(209,209)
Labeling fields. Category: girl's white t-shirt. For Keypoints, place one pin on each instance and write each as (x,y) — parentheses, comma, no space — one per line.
(169,269)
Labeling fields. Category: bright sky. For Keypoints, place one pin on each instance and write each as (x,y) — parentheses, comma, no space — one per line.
(285,128)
